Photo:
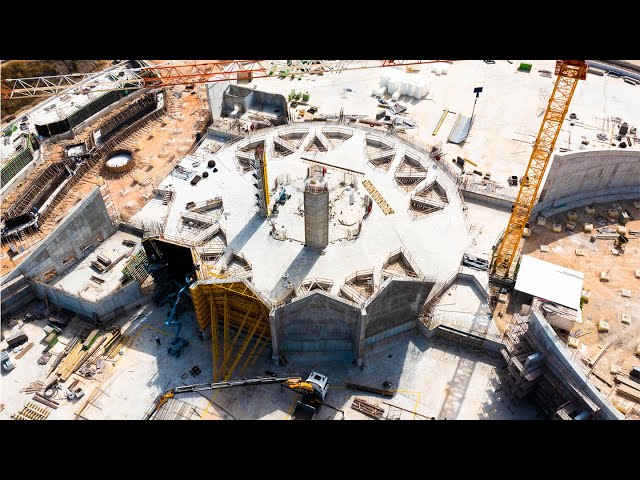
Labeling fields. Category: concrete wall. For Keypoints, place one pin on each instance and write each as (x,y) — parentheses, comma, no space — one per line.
(248,99)
(576,179)
(81,226)
(545,333)
(214,95)
(396,304)
(15,294)
(493,199)
(317,322)
(129,293)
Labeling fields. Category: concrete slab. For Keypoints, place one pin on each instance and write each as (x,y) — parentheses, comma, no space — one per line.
(436,255)
(77,280)
(465,307)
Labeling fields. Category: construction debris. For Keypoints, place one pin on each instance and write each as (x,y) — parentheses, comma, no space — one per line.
(31,411)
(366,408)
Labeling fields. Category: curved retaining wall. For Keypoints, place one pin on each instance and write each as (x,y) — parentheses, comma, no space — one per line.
(595,176)
(83,113)
(554,346)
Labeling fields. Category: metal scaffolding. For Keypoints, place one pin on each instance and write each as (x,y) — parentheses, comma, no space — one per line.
(547,382)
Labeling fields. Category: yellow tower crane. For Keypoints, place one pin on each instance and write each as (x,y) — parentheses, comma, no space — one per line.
(568,72)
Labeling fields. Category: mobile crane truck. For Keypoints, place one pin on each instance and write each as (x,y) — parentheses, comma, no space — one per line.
(313,391)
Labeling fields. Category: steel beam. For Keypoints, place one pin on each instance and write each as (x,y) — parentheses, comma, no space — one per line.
(242,349)
(252,357)
(225,331)
(214,336)
(235,338)
(253,350)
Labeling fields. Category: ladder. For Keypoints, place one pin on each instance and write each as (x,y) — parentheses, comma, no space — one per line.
(382,203)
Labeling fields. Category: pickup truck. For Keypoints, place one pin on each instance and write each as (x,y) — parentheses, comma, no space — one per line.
(7,363)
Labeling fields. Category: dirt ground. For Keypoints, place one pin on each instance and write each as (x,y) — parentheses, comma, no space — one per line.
(606,302)
(156,148)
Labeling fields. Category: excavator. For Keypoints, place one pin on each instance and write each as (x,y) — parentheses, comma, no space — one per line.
(313,391)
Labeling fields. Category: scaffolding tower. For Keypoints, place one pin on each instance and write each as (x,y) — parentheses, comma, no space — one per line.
(258,165)
(532,371)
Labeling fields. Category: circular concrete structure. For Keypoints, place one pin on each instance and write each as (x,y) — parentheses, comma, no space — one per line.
(120,161)
(395,222)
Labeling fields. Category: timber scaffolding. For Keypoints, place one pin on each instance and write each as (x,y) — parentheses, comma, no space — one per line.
(42,186)
(239,320)
(532,371)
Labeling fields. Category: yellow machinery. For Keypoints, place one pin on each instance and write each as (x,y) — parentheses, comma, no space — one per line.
(568,72)
(313,390)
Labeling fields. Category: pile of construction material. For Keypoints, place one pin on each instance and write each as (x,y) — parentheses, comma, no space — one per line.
(397,83)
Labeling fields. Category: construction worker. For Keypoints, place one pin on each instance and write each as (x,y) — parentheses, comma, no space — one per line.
(158,340)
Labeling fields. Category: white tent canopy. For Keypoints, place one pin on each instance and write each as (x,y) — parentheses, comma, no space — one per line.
(550,282)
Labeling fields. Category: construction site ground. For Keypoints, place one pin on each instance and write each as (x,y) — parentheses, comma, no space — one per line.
(606,302)
(507,115)
(156,149)
(432,378)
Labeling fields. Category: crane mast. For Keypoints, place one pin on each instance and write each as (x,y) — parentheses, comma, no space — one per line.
(568,72)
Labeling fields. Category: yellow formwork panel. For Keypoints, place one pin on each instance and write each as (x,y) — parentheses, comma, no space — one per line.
(227,305)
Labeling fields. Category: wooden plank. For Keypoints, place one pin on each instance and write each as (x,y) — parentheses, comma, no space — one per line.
(89,338)
(104,260)
(362,406)
(24,350)
(45,401)
(66,367)
(628,382)
(97,266)
(596,356)
(603,379)
(629,392)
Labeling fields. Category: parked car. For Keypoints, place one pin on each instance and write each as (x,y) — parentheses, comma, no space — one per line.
(7,363)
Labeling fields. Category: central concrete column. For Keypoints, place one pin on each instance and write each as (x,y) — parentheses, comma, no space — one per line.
(316,212)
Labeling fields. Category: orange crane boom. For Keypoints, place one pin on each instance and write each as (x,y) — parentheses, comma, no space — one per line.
(173,74)
(568,72)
